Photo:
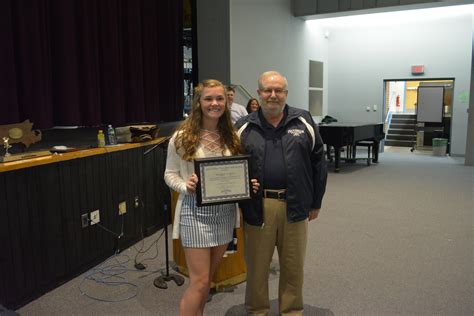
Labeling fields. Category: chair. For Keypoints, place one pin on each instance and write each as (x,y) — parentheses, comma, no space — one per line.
(365,143)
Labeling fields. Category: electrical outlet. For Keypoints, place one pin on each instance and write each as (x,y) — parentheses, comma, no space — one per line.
(85,220)
(95,217)
(122,207)
(137,202)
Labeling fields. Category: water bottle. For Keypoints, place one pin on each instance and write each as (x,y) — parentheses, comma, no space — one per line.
(100,139)
(111,135)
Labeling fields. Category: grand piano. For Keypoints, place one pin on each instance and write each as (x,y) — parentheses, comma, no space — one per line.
(338,135)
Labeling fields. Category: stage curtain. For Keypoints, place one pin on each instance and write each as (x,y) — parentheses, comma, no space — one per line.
(90,62)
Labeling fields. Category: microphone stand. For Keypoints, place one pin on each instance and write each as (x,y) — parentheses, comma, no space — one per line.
(150,150)
(160,282)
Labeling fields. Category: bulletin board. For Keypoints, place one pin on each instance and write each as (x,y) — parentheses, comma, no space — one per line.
(430,104)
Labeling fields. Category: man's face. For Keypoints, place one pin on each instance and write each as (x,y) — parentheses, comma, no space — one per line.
(273,95)
(230,97)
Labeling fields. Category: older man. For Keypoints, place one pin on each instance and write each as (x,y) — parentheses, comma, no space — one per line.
(288,161)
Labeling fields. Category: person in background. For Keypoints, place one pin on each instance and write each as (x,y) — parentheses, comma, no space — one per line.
(288,162)
(236,110)
(252,105)
(205,231)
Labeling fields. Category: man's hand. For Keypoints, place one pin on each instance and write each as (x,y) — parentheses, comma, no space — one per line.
(313,213)
(255,185)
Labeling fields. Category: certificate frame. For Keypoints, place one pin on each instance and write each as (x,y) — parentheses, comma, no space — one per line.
(222,180)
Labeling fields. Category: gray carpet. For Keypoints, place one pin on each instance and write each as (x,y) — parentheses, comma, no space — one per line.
(394,238)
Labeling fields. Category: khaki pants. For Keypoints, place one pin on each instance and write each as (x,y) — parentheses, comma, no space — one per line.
(290,240)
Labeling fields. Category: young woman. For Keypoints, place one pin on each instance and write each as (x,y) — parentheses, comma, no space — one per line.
(252,105)
(204,231)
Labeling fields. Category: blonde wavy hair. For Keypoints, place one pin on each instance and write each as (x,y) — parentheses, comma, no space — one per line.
(187,139)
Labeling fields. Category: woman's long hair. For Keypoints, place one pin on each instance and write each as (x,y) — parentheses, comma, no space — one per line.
(249,108)
(187,139)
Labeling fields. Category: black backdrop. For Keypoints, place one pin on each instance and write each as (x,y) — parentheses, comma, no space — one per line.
(90,62)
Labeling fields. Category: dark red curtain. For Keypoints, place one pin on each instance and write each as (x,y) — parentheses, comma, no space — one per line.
(90,62)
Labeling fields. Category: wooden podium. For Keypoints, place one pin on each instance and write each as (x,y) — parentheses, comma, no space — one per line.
(232,269)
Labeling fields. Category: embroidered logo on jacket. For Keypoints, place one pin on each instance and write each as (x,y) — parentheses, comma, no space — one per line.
(295,131)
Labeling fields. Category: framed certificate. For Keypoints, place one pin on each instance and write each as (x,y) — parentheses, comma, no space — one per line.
(222,180)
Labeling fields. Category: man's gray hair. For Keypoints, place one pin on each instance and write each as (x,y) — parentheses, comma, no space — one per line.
(268,74)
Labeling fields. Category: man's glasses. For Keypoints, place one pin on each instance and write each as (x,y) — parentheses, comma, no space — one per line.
(278,92)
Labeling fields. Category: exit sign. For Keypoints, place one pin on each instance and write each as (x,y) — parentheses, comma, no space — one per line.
(417,69)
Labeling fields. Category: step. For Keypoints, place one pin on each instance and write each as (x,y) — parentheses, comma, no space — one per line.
(403,126)
(403,120)
(401,131)
(407,116)
(399,143)
(400,137)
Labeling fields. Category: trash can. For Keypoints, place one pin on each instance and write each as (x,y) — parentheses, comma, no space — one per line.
(439,146)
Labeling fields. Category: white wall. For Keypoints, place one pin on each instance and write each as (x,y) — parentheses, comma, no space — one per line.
(361,57)
(265,36)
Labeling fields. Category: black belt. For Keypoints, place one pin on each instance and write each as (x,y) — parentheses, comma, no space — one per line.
(274,194)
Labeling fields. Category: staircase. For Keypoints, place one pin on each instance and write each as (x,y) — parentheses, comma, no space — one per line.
(401,131)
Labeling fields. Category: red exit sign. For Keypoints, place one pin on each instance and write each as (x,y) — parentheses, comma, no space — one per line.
(417,69)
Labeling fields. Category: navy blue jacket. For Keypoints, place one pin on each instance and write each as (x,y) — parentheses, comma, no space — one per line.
(303,152)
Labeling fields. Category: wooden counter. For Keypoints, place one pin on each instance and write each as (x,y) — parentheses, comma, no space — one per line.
(54,158)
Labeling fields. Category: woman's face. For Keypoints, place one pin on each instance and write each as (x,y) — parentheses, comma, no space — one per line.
(254,106)
(212,103)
